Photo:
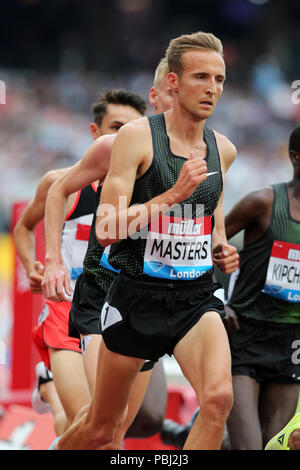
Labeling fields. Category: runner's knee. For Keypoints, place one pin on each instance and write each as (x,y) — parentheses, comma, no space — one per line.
(216,405)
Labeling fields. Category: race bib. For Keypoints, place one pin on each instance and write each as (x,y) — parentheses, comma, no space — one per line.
(283,275)
(178,248)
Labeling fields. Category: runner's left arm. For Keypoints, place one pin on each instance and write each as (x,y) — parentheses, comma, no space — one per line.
(224,255)
(24,236)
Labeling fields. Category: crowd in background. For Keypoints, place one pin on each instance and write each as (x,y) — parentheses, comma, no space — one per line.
(57,56)
(45,125)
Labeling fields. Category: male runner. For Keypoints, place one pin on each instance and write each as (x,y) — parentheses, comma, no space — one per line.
(58,351)
(266,301)
(90,292)
(113,109)
(159,162)
(92,285)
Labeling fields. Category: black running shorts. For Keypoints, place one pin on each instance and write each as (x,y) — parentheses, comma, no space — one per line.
(88,299)
(87,303)
(266,352)
(146,319)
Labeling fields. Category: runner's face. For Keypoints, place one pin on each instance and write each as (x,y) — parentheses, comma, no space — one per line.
(117,115)
(201,83)
(164,98)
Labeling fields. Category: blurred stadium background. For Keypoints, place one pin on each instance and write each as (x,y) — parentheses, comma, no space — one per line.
(56,56)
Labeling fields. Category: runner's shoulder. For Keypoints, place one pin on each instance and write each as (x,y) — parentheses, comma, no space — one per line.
(134,129)
(261,199)
(104,142)
(133,140)
(226,148)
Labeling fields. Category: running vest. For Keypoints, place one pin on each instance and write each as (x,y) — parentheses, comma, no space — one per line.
(268,285)
(95,260)
(76,231)
(176,245)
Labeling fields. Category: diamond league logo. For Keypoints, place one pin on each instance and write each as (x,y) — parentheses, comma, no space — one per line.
(156,265)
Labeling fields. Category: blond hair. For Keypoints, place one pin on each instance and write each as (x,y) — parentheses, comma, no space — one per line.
(160,73)
(187,42)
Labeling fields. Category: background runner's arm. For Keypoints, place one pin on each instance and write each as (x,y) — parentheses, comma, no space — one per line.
(249,213)
(92,167)
(23,232)
(245,215)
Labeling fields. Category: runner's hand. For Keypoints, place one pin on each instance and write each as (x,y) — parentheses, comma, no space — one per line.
(192,173)
(225,256)
(36,277)
(56,283)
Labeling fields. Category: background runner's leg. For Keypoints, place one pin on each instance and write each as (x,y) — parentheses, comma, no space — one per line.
(243,423)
